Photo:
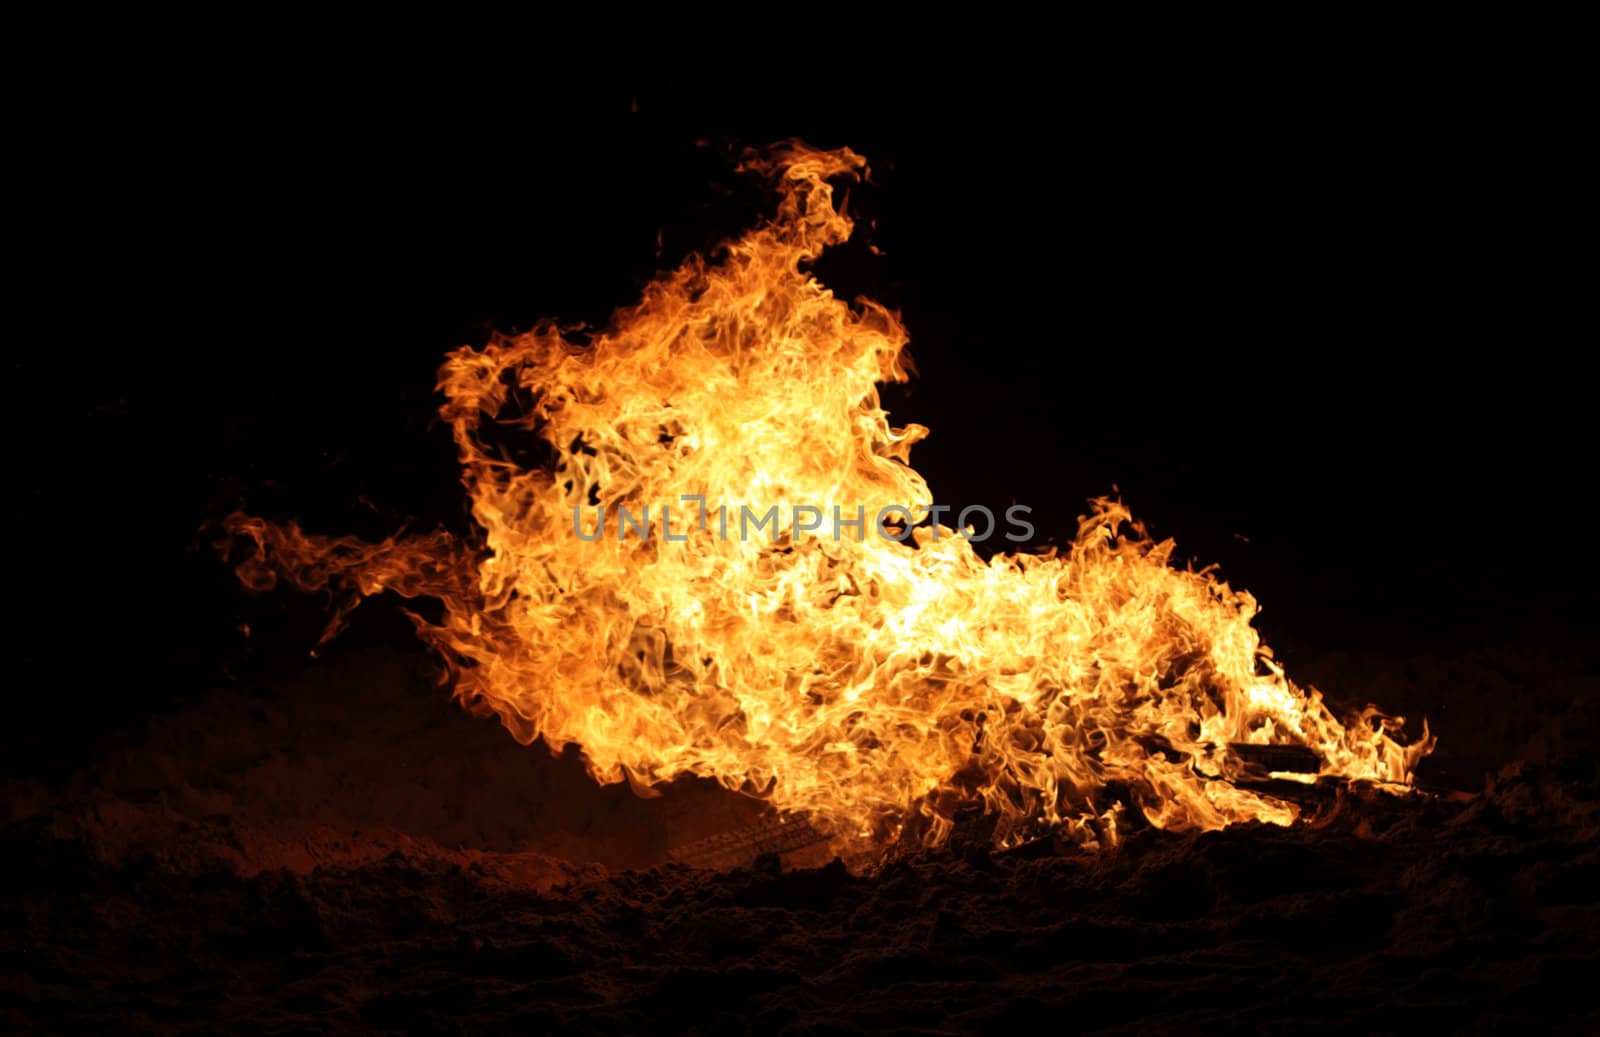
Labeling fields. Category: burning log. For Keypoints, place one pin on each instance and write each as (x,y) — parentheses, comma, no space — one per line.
(1284,759)
(1306,793)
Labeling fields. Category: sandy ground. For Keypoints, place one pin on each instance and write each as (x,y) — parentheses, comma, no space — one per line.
(348,850)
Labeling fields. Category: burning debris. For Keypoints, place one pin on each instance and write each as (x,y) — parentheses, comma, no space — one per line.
(347,851)
(745,846)
(872,689)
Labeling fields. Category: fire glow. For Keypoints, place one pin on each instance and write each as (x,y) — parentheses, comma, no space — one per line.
(874,686)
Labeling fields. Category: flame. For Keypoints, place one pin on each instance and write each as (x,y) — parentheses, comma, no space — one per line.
(876,687)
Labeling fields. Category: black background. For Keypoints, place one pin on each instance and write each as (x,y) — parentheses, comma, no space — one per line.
(1321,326)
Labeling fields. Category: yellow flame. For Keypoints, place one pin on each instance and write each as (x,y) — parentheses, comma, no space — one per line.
(874,686)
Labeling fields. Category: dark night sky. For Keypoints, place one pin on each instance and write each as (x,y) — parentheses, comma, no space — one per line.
(1320,331)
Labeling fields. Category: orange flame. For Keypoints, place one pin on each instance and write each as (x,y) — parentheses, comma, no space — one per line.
(873,686)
